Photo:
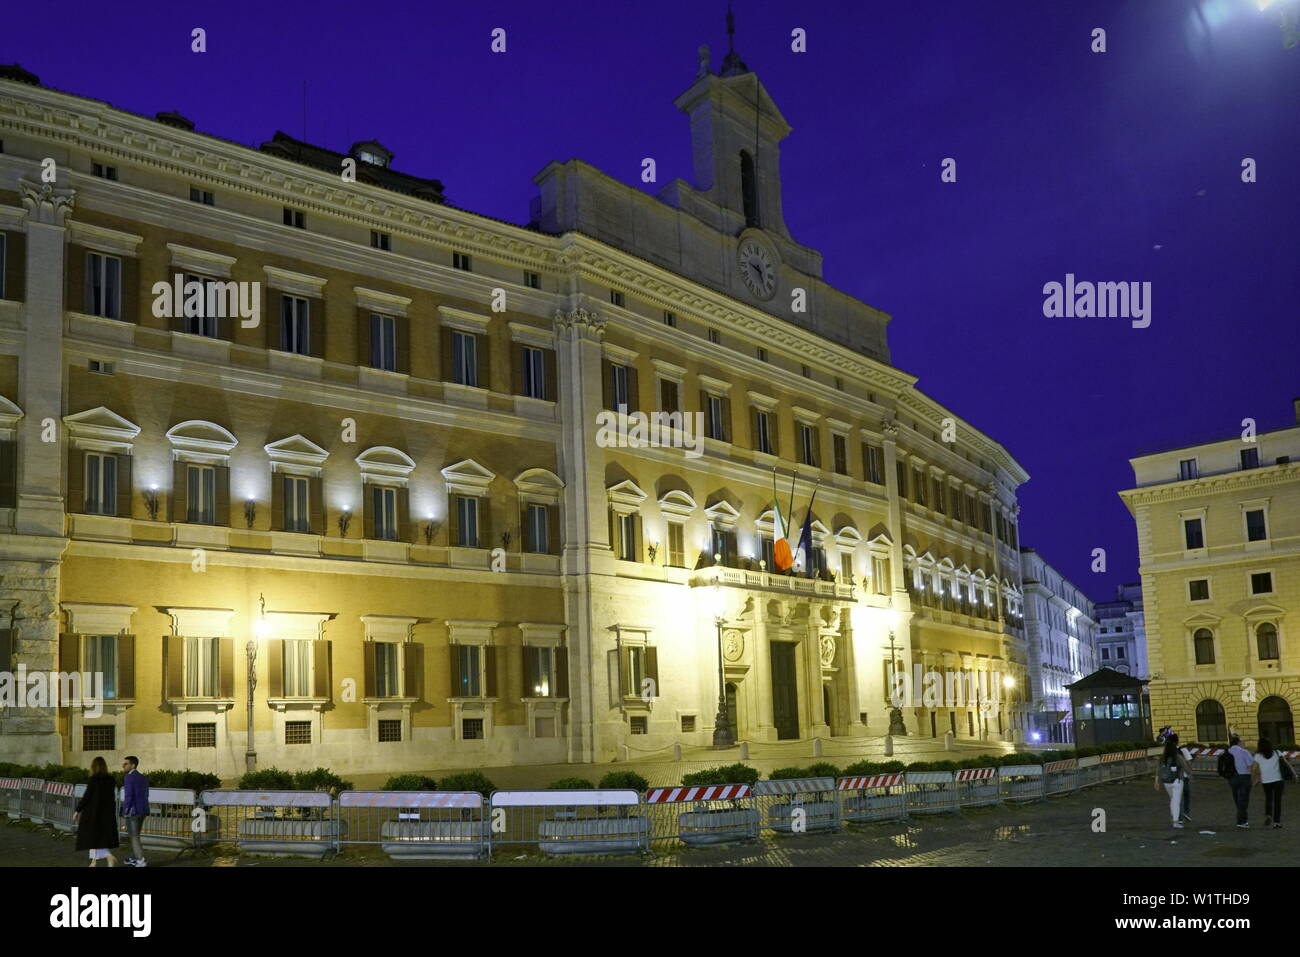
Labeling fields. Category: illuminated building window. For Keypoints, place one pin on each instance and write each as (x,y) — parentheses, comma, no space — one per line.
(383,512)
(296,512)
(688,723)
(99,656)
(676,545)
(539,672)
(467,521)
(764,432)
(618,386)
(202,667)
(537,529)
(295,325)
(873,466)
(715,416)
(297,668)
(383,343)
(464,358)
(846,565)
(387,669)
(103,286)
(807,435)
(534,372)
(469,667)
(101,484)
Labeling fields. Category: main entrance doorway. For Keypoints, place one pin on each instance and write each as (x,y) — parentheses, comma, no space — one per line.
(785,696)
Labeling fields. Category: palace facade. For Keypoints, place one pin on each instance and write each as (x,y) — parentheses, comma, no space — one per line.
(369,450)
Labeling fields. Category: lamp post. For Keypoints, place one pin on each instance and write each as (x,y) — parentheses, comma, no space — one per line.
(723,735)
(260,629)
(1009,683)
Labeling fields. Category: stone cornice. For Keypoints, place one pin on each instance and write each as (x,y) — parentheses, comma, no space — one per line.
(1264,477)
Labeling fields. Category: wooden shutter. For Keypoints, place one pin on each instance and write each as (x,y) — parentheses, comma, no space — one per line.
(550,370)
(652,670)
(490,667)
(706,412)
(561,672)
(226,648)
(404,515)
(76,480)
(517,368)
(607,383)
(444,342)
(8,474)
(553,529)
(130,289)
(453,519)
(368,669)
(316,327)
(412,669)
(180,492)
(527,671)
(69,653)
(124,488)
(726,419)
(454,674)
(368,509)
(126,666)
(175,654)
(624,670)
(773,433)
(315,506)
(402,336)
(221,481)
(320,679)
(275,667)
(484,511)
(277,501)
(76,278)
(633,390)
(482,353)
(638,539)
(668,396)
(15,266)
(364,322)
(273,320)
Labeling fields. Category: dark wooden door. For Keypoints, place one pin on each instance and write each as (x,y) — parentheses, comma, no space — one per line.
(785,696)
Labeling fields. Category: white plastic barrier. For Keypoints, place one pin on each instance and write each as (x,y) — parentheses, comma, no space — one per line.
(931,792)
(417,825)
(565,822)
(279,823)
(799,805)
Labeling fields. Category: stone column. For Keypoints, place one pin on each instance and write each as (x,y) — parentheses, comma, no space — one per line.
(849,675)
(812,657)
(761,675)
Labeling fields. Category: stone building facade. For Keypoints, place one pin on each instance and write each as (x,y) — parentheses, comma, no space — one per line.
(1121,631)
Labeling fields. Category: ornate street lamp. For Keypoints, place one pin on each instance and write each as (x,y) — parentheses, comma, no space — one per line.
(723,734)
(261,628)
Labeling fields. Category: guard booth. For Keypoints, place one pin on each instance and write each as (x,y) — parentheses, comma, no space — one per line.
(1110,706)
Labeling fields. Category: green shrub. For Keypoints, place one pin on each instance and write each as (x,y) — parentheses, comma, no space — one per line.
(623,779)
(410,782)
(1021,757)
(730,774)
(320,779)
(469,781)
(570,784)
(822,769)
(184,780)
(267,779)
(945,766)
(786,774)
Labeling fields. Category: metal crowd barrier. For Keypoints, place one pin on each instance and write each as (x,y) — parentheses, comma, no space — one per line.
(875,797)
(176,822)
(11,797)
(702,816)
(931,792)
(61,803)
(571,822)
(798,805)
(416,825)
(299,823)
(1089,771)
(977,787)
(1061,777)
(31,795)
(1022,782)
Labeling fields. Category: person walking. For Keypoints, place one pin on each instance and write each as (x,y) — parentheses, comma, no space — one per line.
(1242,763)
(135,806)
(1171,772)
(1267,770)
(96,815)
(1186,815)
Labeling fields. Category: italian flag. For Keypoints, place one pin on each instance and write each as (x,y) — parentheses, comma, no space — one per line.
(782,557)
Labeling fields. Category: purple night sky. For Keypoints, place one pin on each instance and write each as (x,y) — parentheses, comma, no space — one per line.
(1123,166)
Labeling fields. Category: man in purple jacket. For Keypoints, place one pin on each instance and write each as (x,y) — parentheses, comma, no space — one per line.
(135,806)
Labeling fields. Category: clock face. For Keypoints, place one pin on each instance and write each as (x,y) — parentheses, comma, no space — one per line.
(756,269)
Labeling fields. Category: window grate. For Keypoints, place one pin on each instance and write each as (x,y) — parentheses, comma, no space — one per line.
(390,730)
(640,724)
(201,735)
(471,729)
(297,732)
(688,723)
(98,737)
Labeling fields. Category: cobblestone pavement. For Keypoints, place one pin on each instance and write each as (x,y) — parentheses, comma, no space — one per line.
(1053,833)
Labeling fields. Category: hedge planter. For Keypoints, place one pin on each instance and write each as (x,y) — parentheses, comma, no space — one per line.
(594,835)
(719,826)
(434,840)
(875,807)
(289,837)
(813,816)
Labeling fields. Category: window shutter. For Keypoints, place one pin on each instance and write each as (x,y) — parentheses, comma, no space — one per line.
(624,671)
(175,653)
(704,410)
(180,492)
(652,670)
(561,672)
(315,505)
(275,667)
(76,282)
(444,340)
(76,480)
(402,336)
(221,479)
(773,434)
(484,511)
(816,447)
(412,669)
(553,529)
(528,672)
(124,488)
(482,350)
(726,419)
(550,372)
(8,474)
(525,529)
(633,390)
(16,267)
(753,429)
(453,519)
(316,327)
(490,666)
(126,666)
(607,383)
(364,328)
(277,501)
(404,515)
(368,509)
(70,653)
(638,539)
(130,289)
(368,669)
(273,320)
(320,653)
(226,648)
(454,674)
(517,368)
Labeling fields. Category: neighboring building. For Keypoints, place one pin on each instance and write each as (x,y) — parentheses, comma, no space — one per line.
(1060,628)
(1218,529)
(1121,632)
(459,569)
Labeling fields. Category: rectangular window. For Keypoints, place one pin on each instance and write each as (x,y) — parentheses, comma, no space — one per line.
(468,671)
(383,343)
(104,172)
(676,545)
(460,261)
(626,525)
(846,566)
(295,504)
(202,667)
(618,386)
(616,297)
(1187,469)
(1119,652)
(467,521)
(387,669)
(539,666)
(1256,531)
(920,486)
(940,498)
(635,670)
(202,735)
(98,737)
(1199,590)
(538,530)
(297,668)
(840,452)
(101,483)
(880,574)
(902,479)
(534,373)
(1261,583)
(383,505)
(669,400)
(295,217)
(201,490)
(204,323)
(723,542)
(464,358)
(1250,458)
(873,466)
(763,428)
(688,723)
(390,729)
(762,354)
(104,286)
(471,729)
(100,657)
(295,325)
(717,426)
(805,371)
(297,732)
(380,240)
(767,549)
(670,318)
(807,445)
(715,336)
(532,280)
(1193,533)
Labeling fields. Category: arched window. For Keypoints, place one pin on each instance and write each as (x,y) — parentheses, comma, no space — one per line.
(1204,641)
(749,188)
(1266,641)
(1211,723)
(1275,722)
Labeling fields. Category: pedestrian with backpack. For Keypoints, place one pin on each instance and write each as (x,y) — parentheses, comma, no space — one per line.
(1272,771)
(1236,765)
(1171,772)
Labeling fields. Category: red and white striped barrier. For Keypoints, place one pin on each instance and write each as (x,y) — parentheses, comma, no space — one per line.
(715,792)
(404,799)
(58,789)
(872,781)
(10,784)
(1069,764)
(975,774)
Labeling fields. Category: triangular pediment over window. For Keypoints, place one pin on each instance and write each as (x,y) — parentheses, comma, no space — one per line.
(101,430)
(296,453)
(467,477)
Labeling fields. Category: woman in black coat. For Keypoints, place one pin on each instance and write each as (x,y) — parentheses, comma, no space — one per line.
(96,816)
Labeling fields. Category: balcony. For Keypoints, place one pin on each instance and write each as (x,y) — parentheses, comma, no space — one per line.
(789,584)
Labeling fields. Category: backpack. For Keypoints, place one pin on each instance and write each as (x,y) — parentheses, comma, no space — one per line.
(1227,765)
(1169,771)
